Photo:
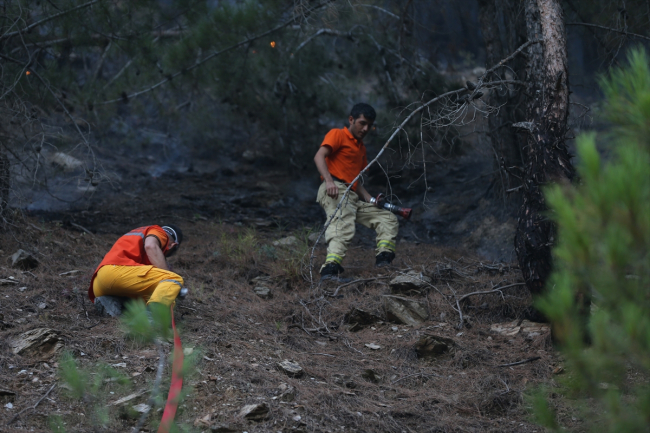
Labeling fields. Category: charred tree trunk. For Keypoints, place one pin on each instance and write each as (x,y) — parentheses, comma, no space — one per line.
(546,156)
(504,30)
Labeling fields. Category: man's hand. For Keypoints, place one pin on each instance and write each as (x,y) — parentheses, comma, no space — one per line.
(332,189)
(321,165)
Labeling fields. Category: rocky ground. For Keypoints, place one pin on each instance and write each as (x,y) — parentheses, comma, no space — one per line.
(274,352)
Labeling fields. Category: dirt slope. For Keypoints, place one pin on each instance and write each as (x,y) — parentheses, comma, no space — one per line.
(240,338)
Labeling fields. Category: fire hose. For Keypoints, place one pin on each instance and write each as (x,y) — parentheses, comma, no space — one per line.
(177,376)
(381,203)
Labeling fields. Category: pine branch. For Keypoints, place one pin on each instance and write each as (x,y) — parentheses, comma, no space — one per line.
(50,18)
(207,58)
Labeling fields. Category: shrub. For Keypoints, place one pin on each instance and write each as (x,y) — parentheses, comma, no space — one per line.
(602,255)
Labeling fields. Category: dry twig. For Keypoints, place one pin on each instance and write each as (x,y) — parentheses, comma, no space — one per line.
(32,407)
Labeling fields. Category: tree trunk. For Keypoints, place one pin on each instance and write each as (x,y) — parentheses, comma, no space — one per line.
(5,177)
(546,156)
(503,28)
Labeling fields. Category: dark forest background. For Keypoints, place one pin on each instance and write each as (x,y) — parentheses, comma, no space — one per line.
(102,95)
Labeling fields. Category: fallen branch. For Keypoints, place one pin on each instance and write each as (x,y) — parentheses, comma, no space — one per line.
(32,407)
(497,289)
(156,385)
(535,358)
(413,375)
(363,280)
(82,228)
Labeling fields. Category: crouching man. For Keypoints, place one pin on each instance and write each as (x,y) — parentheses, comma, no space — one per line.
(136,268)
(339,160)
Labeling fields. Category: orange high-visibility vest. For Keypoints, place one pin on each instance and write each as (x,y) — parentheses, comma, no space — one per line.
(129,251)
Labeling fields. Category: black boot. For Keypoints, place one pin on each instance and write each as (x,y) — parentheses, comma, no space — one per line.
(384,259)
(331,271)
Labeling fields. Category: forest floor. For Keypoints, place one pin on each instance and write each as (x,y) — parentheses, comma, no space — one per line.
(363,371)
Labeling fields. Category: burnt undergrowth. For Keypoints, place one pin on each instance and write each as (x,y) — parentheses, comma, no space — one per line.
(356,378)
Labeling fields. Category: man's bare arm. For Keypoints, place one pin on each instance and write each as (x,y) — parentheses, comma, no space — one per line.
(321,165)
(155,253)
(361,192)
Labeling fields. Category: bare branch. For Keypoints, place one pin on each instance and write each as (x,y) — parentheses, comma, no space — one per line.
(535,358)
(322,32)
(610,29)
(32,407)
(50,18)
(380,9)
(486,292)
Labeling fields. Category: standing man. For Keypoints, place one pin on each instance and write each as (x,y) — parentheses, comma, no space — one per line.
(136,267)
(339,160)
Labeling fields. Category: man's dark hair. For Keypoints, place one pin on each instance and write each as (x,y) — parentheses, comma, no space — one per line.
(177,233)
(365,109)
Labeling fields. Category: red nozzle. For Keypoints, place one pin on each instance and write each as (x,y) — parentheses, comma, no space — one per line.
(404,212)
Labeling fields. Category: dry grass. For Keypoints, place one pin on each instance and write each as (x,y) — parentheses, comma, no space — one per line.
(347,387)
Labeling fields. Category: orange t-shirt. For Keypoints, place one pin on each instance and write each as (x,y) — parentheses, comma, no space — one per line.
(348,155)
(129,251)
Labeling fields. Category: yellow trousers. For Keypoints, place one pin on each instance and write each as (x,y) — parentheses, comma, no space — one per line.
(340,232)
(145,282)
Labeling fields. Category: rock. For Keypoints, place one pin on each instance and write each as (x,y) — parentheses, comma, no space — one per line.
(344,380)
(127,398)
(291,368)
(23,260)
(527,328)
(22,289)
(314,236)
(263,292)
(533,329)
(7,396)
(411,281)
(65,161)
(225,428)
(432,346)
(206,421)
(359,319)
(262,280)
(254,412)
(141,408)
(405,310)
(371,375)
(288,393)
(40,342)
(286,242)
(373,346)
(5,281)
(110,305)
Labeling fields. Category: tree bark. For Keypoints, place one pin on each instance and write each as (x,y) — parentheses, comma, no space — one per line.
(5,178)
(503,28)
(547,159)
